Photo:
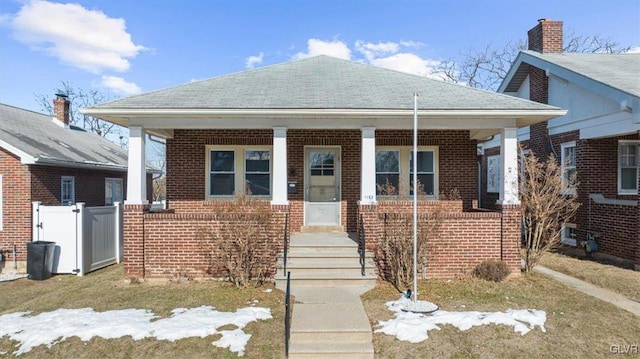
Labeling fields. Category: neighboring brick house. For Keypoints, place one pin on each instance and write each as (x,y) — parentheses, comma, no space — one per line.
(315,138)
(45,159)
(598,139)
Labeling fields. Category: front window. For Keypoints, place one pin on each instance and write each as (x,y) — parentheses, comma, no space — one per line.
(67,191)
(425,174)
(387,173)
(628,153)
(113,191)
(568,163)
(493,174)
(257,178)
(238,170)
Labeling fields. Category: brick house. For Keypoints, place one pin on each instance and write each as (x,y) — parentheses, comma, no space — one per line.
(315,138)
(48,160)
(598,139)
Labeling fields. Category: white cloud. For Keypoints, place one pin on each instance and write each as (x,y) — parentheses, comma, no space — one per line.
(83,38)
(371,50)
(634,50)
(251,61)
(335,48)
(120,86)
(407,62)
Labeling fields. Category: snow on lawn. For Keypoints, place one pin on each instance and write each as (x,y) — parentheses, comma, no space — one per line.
(414,327)
(53,327)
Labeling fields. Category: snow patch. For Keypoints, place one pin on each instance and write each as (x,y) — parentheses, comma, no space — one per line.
(414,327)
(53,327)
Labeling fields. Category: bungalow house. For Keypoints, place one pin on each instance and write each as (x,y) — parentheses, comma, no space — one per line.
(49,160)
(598,139)
(317,138)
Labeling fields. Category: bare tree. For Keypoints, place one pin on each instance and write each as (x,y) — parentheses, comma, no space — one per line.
(545,206)
(486,68)
(80,98)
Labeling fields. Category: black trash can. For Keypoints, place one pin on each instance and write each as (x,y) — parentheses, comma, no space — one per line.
(40,259)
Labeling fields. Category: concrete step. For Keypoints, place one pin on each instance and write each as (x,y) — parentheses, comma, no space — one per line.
(321,261)
(348,280)
(323,250)
(332,350)
(326,272)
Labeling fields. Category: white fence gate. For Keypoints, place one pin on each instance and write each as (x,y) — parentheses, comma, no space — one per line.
(87,238)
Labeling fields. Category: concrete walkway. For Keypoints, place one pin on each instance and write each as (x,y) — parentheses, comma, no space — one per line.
(606,295)
(330,322)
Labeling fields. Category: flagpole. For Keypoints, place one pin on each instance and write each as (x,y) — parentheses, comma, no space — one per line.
(415,196)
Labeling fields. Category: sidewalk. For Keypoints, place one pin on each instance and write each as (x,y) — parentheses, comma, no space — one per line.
(592,290)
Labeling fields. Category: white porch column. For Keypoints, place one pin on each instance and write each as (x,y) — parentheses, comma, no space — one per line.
(368,169)
(136,173)
(279,166)
(509,166)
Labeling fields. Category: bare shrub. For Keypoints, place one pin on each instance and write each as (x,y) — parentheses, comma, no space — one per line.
(545,205)
(492,270)
(240,239)
(396,249)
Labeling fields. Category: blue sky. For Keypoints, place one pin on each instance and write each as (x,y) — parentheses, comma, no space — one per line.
(123,47)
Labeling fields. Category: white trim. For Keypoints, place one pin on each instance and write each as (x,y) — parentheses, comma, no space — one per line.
(568,190)
(620,144)
(368,188)
(570,241)
(337,172)
(136,171)
(509,192)
(72,199)
(25,158)
(279,175)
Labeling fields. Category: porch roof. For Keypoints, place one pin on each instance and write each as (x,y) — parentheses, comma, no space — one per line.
(319,92)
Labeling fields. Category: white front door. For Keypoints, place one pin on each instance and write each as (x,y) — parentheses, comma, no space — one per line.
(322,186)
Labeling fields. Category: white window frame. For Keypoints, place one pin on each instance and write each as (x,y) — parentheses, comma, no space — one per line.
(239,169)
(568,189)
(621,143)
(493,163)
(569,240)
(112,181)
(72,200)
(246,172)
(405,171)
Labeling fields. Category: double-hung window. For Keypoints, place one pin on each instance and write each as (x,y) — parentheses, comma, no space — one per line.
(237,170)
(493,174)
(568,163)
(387,172)
(113,191)
(425,175)
(68,190)
(628,154)
(394,171)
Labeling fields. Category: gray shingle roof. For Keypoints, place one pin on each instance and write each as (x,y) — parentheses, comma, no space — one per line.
(620,71)
(38,136)
(321,82)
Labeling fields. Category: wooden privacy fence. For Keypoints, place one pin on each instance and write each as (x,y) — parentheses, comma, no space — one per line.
(87,238)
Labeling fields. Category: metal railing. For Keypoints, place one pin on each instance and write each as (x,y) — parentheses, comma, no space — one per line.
(287,316)
(285,239)
(362,247)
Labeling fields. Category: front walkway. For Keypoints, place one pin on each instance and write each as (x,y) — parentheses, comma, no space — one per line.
(606,295)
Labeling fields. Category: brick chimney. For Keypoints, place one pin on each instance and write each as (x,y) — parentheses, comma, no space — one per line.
(546,37)
(61,108)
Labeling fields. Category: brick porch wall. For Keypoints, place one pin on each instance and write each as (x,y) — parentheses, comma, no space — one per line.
(464,239)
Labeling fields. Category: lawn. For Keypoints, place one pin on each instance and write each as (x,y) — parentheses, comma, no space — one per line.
(619,280)
(106,290)
(578,326)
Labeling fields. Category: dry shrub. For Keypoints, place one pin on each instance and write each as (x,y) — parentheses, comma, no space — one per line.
(396,250)
(545,206)
(241,239)
(492,270)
